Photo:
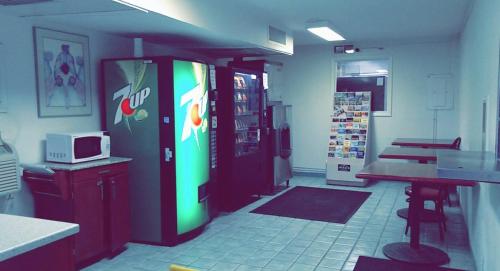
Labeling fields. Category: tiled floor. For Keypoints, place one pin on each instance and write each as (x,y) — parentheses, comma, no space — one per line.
(246,241)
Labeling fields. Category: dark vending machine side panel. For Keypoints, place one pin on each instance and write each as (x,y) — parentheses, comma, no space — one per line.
(224,139)
(213,127)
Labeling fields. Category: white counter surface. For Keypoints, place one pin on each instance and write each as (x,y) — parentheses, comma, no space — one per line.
(468,165)
(20,234)
(89,164)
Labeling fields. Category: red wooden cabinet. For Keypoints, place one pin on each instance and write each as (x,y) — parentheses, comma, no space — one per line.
(88,204)
(117,211)
(96,198)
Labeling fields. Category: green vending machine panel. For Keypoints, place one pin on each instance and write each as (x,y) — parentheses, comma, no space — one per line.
(131,94)
(192,143)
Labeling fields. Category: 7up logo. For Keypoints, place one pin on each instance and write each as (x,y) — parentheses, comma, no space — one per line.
(130,102)
(196,100)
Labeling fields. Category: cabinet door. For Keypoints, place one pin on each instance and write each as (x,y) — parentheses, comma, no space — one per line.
(89,212)
(119,211)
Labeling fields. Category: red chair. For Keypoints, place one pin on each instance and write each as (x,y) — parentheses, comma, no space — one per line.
(437,195)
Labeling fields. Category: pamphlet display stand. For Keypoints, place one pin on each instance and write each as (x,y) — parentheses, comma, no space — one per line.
(348,138)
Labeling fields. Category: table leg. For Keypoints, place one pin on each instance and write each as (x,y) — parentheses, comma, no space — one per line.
(416,207)
(414,252)
(426,215)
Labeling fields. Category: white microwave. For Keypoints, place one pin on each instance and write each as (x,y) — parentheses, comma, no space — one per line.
(77,147)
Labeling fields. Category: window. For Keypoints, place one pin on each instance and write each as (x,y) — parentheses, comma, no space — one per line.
(367,75)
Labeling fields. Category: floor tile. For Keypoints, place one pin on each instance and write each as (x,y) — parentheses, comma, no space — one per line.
(243,241)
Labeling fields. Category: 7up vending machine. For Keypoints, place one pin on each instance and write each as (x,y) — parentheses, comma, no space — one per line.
(156,113)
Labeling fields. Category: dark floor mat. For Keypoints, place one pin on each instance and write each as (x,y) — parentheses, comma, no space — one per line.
(376,264)
(321,204)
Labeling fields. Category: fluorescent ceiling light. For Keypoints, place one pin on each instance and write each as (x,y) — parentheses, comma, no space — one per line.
(123,2)
(324,31)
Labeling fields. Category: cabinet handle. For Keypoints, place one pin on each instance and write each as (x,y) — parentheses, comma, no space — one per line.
(100,185)
(105,171)
(113,189)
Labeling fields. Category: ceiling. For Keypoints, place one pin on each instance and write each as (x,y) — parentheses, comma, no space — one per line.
(369,20)
(356,20)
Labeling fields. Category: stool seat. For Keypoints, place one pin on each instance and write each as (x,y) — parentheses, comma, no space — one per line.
(426,193)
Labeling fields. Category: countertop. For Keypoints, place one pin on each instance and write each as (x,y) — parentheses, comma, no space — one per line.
(19,234)
(84,165)
(471,165)
(408,172)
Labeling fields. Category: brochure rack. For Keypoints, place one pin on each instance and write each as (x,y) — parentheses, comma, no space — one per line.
(348,137)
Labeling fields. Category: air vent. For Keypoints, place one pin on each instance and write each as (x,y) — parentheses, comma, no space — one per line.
(9,179)
(21,2)
(277,35)
(9,169)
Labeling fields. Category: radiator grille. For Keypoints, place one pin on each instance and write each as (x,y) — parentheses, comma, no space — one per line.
(9,181)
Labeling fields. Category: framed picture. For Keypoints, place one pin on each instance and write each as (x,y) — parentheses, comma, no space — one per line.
(63,73)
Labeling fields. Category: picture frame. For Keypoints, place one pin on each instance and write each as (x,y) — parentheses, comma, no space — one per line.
(63,73)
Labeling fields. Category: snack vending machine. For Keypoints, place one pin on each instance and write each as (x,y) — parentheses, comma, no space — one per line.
(240,127)
(157,114)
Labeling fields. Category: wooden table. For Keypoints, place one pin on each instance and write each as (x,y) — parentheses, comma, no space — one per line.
(423,156)
(420,154)
(419,175)
(424,143)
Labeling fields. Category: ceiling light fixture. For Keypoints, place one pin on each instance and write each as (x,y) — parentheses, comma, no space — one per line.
(123,2)
(324,30)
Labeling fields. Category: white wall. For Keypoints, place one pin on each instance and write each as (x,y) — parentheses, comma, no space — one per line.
(21,125)
(308,86)
(479,62)
(154,49)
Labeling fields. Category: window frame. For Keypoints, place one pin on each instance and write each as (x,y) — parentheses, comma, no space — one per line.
(361,57)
